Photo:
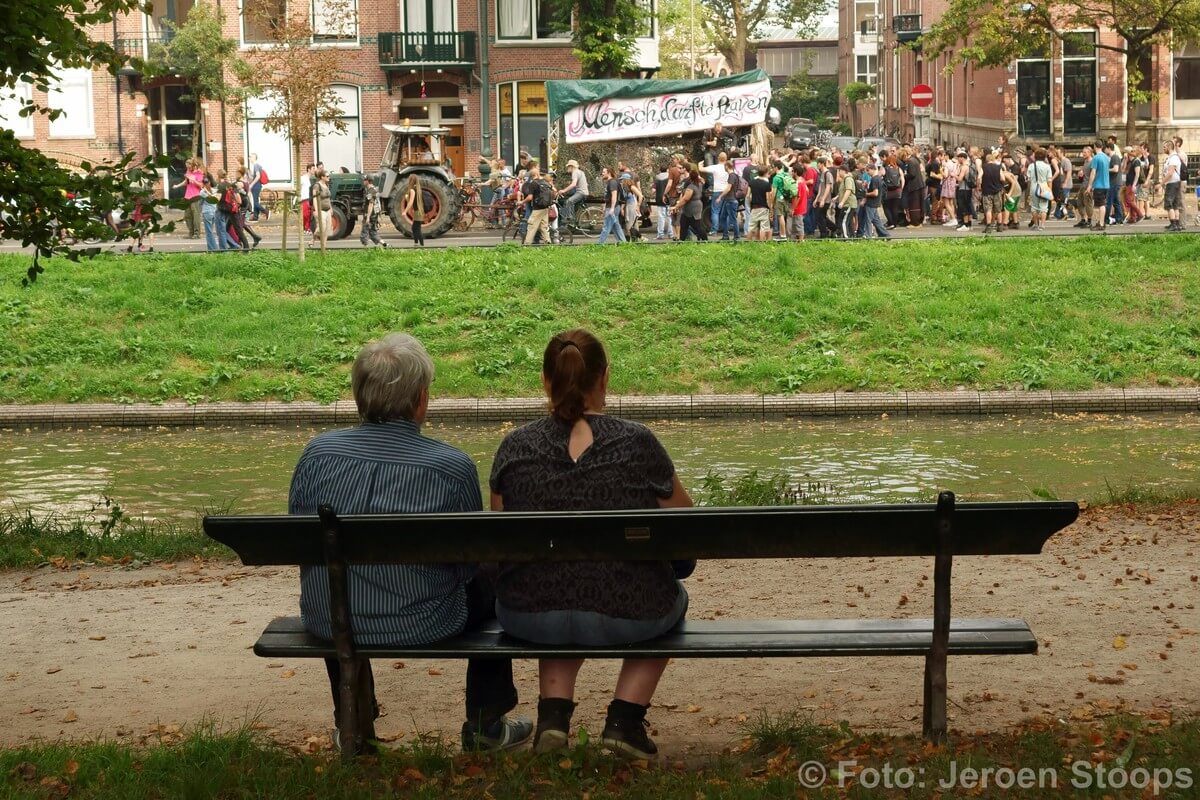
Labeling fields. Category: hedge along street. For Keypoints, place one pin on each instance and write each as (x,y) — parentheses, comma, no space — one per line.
(1043,314)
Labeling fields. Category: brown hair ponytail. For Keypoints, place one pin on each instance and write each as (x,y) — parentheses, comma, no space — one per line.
(574,362)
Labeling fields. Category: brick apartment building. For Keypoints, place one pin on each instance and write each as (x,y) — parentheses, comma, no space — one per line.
(436,62)
(1071,95)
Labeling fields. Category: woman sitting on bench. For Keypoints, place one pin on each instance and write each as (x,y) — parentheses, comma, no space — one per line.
(578,459)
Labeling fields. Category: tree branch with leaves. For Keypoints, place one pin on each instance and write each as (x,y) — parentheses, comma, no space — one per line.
(732,25)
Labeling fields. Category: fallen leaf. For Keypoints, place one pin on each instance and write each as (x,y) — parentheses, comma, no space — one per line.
(566,763)
(25,771)
(97,638)
(1119,643)
(434,671)
(70,716)
(72,767)
(414,774)
(288,673)
(52,670)
(694,709)
(398,665)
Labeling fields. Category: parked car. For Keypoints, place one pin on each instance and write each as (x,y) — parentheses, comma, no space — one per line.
(878,141)
(843,143)
(801,133)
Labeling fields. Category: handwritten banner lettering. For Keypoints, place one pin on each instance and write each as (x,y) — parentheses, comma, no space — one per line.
(662,115)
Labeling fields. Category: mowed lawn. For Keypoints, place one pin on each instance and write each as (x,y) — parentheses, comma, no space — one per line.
(1057,313)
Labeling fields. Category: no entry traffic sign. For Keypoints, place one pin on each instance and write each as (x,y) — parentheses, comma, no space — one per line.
(921,95)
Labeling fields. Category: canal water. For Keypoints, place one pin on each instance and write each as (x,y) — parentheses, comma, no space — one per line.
(180,473)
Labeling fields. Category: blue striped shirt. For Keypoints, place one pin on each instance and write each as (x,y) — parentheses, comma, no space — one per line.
(387,468)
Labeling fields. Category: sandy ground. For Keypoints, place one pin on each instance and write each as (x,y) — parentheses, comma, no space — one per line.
(128,654)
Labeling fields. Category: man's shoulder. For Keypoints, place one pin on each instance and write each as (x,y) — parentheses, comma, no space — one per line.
(387,444)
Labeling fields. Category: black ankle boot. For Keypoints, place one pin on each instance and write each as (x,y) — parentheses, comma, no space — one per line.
(553,724)
(625,730)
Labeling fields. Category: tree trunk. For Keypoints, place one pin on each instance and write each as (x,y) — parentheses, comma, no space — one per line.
(197,125)
(299,177)
(738,63)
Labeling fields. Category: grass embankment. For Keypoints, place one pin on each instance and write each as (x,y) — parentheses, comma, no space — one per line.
(1030,313)
(32,540)
(1049,760)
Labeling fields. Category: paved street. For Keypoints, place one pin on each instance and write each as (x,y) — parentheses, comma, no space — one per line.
(480,237)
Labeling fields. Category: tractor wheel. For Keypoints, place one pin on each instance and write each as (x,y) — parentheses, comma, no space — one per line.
(441,206)
(343,223)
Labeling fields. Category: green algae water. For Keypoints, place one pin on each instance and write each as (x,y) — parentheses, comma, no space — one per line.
(173,474)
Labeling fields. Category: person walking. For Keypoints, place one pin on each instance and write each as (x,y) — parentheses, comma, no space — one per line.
(612,206)
(208,213)
(949,192)
(243,210)
(847,201)
(540,196)
(1172,176)
(690,207)
(414,208)
(718,174)
(824,198)
(258,179)
(1038,176)
(370,218)
(964,196)
(992,191)
(893,184)
(322,208)
(1083,198)
(874,199)
(758,197)
(1113,207)
(913,201)
(1133,176)
(728,203)
(193,179)
(1098,185)
(633,205)
(662,208)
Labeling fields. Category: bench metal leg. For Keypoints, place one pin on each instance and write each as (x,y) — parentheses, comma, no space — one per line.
(934,713)
(352,710)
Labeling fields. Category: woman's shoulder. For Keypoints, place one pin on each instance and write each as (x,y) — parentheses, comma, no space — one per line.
(538,430)
(624,429)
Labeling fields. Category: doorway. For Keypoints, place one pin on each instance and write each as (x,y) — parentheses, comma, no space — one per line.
(1079,97)
(172,131)
(1033,98)
(455,153)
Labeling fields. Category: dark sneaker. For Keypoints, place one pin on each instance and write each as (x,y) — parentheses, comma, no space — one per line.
(505,733)
(553,724)
(629,738)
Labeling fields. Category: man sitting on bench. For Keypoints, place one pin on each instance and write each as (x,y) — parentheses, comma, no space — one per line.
(385,465)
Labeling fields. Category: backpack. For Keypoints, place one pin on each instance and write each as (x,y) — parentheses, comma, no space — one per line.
(738,186)
(891,177)
(972,175)
(623,192)
(543,195)
(231,200)
(262,177)
(788,189)
(1183,169)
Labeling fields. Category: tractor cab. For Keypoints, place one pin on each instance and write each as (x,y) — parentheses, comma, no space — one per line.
(415,146)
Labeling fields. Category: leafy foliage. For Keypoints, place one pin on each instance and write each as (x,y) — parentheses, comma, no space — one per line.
(60,205)
(605,35)
(733,24)
(803,96)
(678,22)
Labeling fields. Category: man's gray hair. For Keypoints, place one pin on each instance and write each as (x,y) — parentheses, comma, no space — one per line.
(388,376)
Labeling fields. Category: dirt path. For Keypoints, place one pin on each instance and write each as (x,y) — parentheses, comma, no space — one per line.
(114,653)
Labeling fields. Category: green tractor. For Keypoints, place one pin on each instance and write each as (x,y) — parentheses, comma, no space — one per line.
(412,150)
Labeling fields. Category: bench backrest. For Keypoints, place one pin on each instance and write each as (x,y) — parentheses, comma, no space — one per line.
(834,531)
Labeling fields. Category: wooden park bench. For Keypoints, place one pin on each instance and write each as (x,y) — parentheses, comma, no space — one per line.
(942,531)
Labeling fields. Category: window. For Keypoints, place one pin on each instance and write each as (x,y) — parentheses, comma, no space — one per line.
(73,94)
(259,20)
(274,148)
(342,148)
(1079,44)
(646,31)
(866,69)
(428,15)
(523,124)
(10,110)
(865,12)
(533,19)
(1187,83)
(334,21)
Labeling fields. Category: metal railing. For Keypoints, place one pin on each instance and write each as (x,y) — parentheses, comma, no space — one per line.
(427,47)
(141,46)
(907,27)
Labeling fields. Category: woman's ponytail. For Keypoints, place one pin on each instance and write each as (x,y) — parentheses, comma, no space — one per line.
(574,363)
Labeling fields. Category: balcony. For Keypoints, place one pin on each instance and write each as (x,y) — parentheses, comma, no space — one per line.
(147,48)
(426,50)
(907,27)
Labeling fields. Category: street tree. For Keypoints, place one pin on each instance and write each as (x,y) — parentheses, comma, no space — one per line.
(42,200)
(682,38)
(198,52)
(995,32)
(732,25)
(605,34)
(295,78)
(806,96)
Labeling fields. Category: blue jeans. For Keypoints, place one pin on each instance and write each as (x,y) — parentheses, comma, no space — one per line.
(573,199)
(226,241)
(1112,207)
(874,220)
(571,626)
(665,229)
(212,234)
(716,214)
(256,206)
(612,222)
(728,219)
(810,219)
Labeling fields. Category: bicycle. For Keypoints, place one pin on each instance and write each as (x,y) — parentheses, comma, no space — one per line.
(512,232)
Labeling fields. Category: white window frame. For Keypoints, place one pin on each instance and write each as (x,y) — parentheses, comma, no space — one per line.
(242,26)
(512,158)
(403,11)
(532,37)
(21,96)
(85,109)
(1177,54)
(873,28)
(356,116)
(250,147)
(867,77)
(334,41)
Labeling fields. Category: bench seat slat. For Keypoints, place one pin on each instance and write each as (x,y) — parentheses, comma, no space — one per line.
(285,637)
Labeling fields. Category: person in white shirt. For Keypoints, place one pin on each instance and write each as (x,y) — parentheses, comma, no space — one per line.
(720,179)
(306,197)
(1173,186)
